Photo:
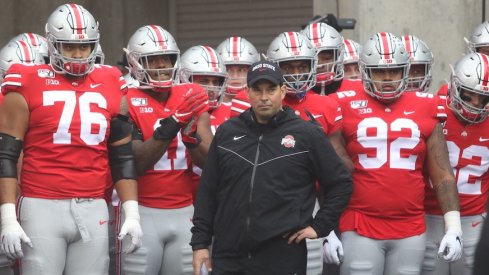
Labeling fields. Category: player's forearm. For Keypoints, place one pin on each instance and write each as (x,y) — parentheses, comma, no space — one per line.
(148,153)
(127,189)
(8,190)
(447,194)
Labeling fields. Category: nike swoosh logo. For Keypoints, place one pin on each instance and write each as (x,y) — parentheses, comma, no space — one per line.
(182,114)
(316,116)
(408,113)
(236,138)
(474,224)
(101,222)
(481,139)
(94,85)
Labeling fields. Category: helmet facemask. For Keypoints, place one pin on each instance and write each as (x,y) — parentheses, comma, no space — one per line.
(299,83)
(71,66)
(160,78)
(384,90)
(236,84)
(214,93)
(459,97)
(330,71)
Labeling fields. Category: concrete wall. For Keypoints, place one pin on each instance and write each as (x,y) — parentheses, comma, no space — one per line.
(442,24)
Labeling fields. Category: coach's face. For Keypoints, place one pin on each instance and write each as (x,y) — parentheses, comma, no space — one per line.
(266,99)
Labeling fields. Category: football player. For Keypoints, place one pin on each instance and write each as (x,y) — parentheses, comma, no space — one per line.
(467,134)
(171,128)
(68,117)
(350,59)
(392,137)
(420,74)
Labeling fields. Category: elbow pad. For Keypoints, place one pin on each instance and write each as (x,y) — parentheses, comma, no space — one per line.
(10,148)
(120,127)
(122,163)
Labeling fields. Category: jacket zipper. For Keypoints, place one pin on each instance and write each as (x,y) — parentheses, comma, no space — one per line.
(250,199)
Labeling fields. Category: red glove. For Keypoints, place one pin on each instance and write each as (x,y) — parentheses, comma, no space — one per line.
(189,134)
(193,103)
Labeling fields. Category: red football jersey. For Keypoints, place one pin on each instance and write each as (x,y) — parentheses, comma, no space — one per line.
(65,148)
(239,103)
(325,110)
(168,184)
(219,115)
(387,144)
(468,148)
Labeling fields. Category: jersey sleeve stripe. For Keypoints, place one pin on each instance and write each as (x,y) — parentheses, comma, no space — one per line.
(11,83)
(12,76)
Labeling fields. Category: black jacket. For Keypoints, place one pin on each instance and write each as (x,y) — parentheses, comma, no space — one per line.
(259,184)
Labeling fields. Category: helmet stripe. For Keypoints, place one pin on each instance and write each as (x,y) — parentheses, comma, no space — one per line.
(211,54)
(26,54)
(351,50)
(32,39)
(385,45)
(485,71)
(235,43)
(77,15)
(159,35)
(408,42)
(292,41)
(315,32)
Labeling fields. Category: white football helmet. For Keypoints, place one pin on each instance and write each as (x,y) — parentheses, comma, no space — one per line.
(292,46)
(38,42)
(470,75)
(351,53)
(204,60)
(384,51)
(326,38)
(237,51)
(419,53)
(479,37)
(147,42)
(71,23)
(17,52)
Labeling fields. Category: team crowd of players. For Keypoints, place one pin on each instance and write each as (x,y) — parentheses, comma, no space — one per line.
(81,130)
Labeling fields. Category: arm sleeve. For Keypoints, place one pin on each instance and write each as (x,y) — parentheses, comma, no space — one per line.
(335,184)
(206,204)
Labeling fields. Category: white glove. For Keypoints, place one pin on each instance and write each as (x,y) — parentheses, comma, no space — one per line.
(451,246)
(131,226)
(12,233)
(333,249)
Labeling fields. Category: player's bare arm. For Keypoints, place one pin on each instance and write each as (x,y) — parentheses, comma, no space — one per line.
(440,171)
(14,120)
(199,153)
(338,142)
(148,152)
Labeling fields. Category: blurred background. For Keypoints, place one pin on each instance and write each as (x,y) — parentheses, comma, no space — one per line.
(442,24)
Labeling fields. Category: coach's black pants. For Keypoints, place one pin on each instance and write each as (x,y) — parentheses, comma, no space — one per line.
(273,257)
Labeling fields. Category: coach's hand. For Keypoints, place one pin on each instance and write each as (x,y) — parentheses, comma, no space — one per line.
(201,262)
(302,234)
(12,233)
(333,249)
(131,226)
